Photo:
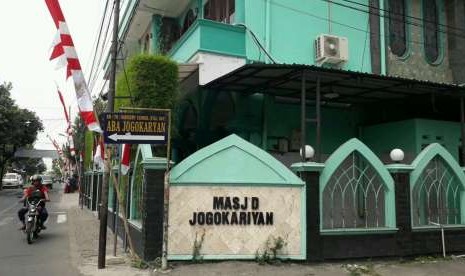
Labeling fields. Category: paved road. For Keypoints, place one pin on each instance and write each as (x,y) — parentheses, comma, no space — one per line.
(49,255)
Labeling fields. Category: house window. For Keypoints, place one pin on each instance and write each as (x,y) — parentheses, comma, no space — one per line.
(436,195)
(397,27)
(188,20)
(220,10)
(431,30)
(355,196)
(137,190)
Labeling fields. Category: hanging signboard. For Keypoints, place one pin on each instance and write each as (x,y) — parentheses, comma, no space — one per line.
(135,128)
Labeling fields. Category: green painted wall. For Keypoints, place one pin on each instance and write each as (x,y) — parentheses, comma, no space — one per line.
(338,125)
(445,133)
(288,29)
(383,138)
(412,136)
(187,46)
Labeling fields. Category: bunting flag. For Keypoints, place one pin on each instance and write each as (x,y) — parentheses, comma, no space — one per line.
(64,106)
(69,131)
(55,144)
(65,53)
(126,157)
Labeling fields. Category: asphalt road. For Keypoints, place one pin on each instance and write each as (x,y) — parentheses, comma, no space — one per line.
(48,255)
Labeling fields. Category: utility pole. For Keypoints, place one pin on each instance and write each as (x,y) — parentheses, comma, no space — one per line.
(102,244)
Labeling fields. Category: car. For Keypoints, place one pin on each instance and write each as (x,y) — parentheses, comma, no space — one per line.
(47,181)
(12,180)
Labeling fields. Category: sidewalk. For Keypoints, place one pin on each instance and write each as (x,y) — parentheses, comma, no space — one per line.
(84,233)
(84,230)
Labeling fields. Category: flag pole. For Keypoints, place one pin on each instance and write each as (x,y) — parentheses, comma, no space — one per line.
(106,173)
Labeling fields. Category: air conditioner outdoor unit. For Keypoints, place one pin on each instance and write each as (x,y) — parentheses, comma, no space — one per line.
(331,49)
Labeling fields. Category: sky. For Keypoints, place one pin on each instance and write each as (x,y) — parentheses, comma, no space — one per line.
(26,34)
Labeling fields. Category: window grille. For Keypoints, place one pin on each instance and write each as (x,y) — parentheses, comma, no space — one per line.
(188,21)
(220,10)
(354,196)
(436,195)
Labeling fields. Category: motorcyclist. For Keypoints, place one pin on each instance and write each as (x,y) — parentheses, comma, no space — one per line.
(36,186)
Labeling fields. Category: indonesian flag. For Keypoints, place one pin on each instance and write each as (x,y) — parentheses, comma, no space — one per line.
(65,53)
(68,130)
(126,157)
(99,155)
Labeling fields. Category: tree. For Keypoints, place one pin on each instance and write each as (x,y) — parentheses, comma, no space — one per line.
(150,81)
(18,127)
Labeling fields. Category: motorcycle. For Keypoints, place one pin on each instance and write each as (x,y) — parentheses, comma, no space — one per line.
(33,228)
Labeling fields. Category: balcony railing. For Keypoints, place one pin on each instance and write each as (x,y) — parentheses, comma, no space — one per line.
(209,36)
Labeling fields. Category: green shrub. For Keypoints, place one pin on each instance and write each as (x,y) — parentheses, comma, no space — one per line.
(151,81)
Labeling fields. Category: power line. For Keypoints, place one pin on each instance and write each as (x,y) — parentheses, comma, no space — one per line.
(388,16)
(337,22)
(97,40)
(93,78)
(401,14)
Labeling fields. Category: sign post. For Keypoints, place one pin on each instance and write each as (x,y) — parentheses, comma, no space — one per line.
(147,126)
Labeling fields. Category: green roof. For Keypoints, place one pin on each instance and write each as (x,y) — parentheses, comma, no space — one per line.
(232,160)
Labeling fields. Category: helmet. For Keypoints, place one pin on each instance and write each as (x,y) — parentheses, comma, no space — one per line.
(36,177)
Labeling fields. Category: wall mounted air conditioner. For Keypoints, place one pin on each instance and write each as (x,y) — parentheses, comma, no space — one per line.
(331,49)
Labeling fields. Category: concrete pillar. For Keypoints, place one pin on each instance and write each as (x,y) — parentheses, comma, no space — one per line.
(310,173)
(152,218)
(401,175)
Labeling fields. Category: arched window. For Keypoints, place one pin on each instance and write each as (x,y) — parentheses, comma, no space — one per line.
(357,192)
(397,27)
(430,30)
(437,188)
(188,20)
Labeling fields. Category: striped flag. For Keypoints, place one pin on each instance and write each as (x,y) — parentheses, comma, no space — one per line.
(64,51)
(125,159)
(68,130)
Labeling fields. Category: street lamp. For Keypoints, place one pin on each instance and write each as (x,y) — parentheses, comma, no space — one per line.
(309,152)
(397,155)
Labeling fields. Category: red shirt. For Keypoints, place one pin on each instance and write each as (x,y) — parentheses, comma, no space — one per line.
(28,192)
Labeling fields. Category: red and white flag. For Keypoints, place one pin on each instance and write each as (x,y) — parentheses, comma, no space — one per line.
(69,130)
(64,51)
(99,155)
(55,144)
(125,159)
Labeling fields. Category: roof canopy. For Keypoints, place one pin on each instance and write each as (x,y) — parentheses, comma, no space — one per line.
(338,86)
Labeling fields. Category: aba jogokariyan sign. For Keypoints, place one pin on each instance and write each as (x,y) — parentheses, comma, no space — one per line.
(135,128)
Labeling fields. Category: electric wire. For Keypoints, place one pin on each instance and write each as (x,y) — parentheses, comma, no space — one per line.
(256,41)
(400,14)
(386,36)
(93,78)
(97,40)
(420,25)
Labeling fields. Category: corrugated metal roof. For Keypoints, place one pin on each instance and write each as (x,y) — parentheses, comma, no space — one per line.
(285,80)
